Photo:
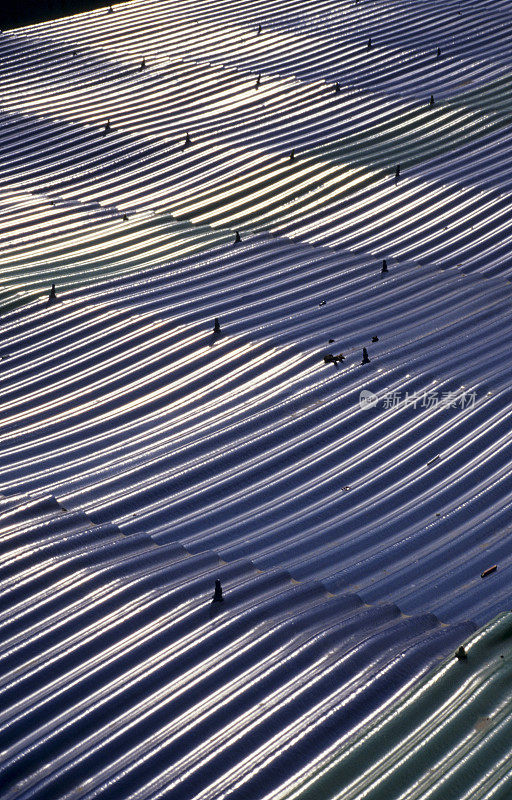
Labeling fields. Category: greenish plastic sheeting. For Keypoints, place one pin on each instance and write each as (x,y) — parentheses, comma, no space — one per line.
(123,247)
(449,738)
(266,197)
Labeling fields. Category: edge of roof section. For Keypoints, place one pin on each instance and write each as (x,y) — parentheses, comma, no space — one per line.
(448,737)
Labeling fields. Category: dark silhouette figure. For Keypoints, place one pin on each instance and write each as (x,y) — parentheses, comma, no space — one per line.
(369,43)
(384,265)
(107,127)
(52,297)
(397,172)
(461,653)
(259,30)
(292,155)
(74,52)
(188,140)
(142,64)
(375,338)
(217,597)
(438,52)
(237,238)
(110,10)
(337,88)
(258,81)
(125,217)
(431,100)
(366,359)
(216,327)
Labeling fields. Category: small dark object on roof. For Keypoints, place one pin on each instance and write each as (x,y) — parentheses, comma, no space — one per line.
(375,338)
(438,52)
(188,140)
(107,126)
(384,265)
(237,238)
(217,597)
(369,42)
(337,88)
(431,103)
(52,297)
(461,653)
(110,10)
(332,359)
(322,303)
(331,341)
(397,172)
(216,326)
(143,64)
(125,217)
(259,30)
(74,52)
(292,155)
(366,359)
(489,571)
(258,81)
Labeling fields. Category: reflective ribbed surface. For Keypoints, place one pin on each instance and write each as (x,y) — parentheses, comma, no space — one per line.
(120,399)
(142,455)
(450,737)
(120,678)
(450,206)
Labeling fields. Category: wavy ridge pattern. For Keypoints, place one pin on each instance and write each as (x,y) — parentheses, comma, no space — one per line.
(119,677)
(435,741)
(142,455)
(249,444)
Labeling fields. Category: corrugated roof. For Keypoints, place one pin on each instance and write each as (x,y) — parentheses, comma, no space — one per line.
(120,677)
(119,399)
(142,456)
(448,737)
(202,63)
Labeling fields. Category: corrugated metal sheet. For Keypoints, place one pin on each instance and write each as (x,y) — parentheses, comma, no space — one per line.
(141,456)
(120,400)
(202,62)
(120,678)
(449,737)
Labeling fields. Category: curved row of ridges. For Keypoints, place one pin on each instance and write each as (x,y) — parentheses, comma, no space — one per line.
(237,172)
(435,741)
(329,43)
(119,675)
(250,445)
